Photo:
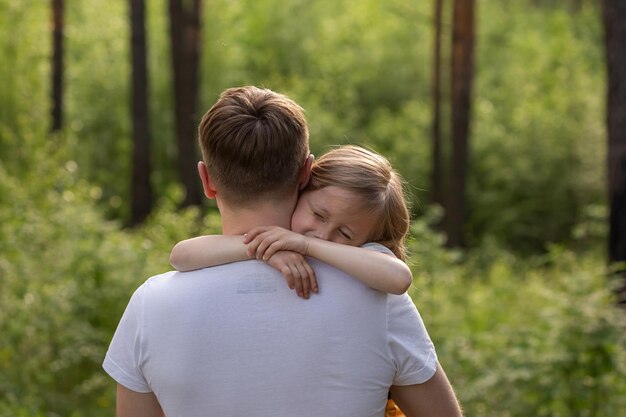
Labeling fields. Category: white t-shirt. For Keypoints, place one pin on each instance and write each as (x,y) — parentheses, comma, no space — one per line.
(234,340)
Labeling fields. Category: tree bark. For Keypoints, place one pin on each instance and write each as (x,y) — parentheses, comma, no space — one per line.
(141,188)
(437,171)
(57,64)
(462,78)
(614,17)
(185,39)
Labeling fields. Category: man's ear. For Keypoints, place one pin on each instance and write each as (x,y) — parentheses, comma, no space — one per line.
(207,184)
(305,172)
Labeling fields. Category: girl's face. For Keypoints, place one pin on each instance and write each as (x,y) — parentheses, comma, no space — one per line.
(335,214)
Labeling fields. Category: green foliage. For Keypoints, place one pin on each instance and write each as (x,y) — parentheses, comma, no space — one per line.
(24,101)
(65,277)
(362,73)
(538,137)
(539,337)
(97,65)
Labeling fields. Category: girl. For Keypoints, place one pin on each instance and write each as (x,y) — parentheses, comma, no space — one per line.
(352,215)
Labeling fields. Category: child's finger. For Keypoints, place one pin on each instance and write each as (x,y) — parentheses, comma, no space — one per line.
(264,243)
(297,280)
(311,274)
(257,247)
(289,278)
(251,247)
(253,233)
(306,288)
(272,249)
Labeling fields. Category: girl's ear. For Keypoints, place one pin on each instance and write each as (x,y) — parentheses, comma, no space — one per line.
(305,172)
(207,184)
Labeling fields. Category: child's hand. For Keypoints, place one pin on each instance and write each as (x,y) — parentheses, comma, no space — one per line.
(264,241)
(297,271)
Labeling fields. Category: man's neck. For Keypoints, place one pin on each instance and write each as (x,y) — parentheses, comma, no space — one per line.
(241,220)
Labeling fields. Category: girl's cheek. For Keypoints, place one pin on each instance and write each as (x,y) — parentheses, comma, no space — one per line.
(299,224)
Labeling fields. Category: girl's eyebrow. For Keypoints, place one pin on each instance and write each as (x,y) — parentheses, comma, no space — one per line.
(315,207)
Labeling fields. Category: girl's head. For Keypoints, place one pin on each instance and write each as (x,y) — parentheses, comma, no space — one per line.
(354,196)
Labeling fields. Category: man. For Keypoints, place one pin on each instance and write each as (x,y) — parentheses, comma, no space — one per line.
(233,340)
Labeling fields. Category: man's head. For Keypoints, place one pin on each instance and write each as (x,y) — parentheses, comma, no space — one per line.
(254,143)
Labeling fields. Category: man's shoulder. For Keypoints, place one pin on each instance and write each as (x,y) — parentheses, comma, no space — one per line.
(164,276)
(172,281)
(158,280)
(151,284)
(173,276)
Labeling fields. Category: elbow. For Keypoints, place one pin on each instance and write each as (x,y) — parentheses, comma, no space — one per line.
(404,281)
(176,259)
(400,288)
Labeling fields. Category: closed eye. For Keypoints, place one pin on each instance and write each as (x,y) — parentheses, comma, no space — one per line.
(344,234)
(318,215)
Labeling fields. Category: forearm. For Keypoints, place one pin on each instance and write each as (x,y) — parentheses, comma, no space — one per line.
(433,398)
(375,269)
(205,251)
(137,404)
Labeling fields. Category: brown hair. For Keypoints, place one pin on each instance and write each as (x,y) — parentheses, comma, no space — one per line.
(254,142)
(370,176)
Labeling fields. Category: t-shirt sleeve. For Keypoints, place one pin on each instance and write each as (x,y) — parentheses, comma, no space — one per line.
(123,359)
(378,248)
(411,348)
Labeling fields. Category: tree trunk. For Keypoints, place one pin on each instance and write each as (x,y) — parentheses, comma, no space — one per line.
(185,39)
(614,16)
(462,77)
(57,64)
(141,199)
(437,171)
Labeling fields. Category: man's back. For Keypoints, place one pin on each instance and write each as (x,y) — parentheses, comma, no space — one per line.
(234,340)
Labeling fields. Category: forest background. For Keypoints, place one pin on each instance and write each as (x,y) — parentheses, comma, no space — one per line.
(524,318)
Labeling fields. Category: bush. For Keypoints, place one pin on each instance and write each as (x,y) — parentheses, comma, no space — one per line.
(362,73)
(539,337)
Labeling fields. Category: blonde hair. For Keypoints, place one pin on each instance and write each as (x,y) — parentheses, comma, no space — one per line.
(254,142)
(370,176)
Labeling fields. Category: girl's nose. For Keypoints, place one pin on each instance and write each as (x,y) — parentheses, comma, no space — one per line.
(323,234)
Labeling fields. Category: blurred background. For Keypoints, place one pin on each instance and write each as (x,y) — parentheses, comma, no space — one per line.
(495,113)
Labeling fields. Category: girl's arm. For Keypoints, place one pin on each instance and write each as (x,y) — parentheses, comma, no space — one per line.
(209,250)
(381,271)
